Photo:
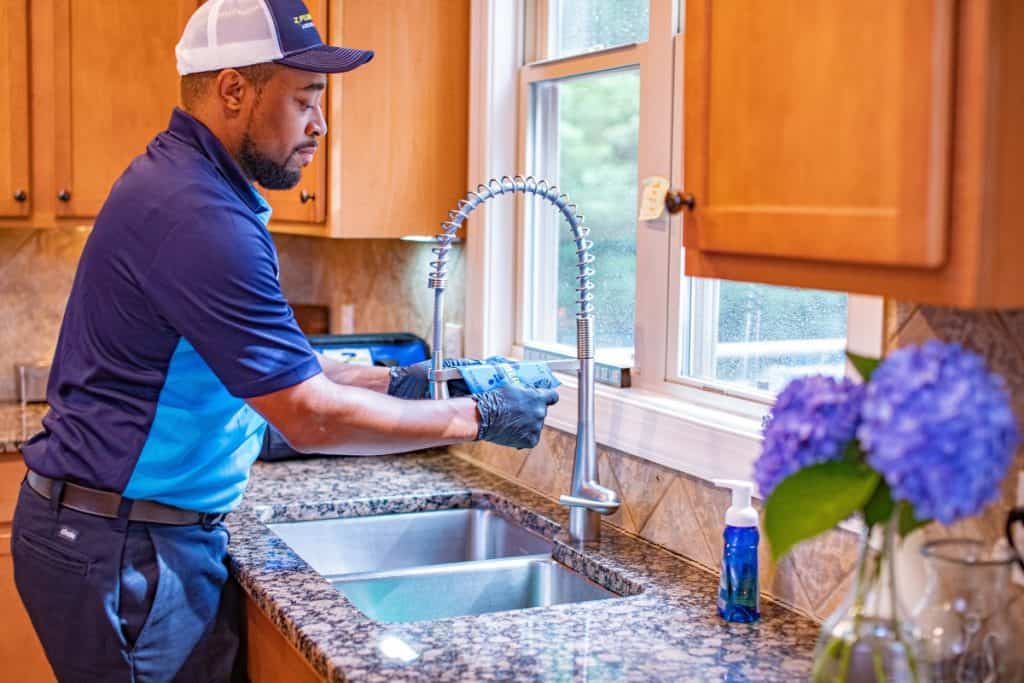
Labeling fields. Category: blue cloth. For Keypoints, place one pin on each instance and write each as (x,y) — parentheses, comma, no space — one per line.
(493,374)
(175,317)
(113,600)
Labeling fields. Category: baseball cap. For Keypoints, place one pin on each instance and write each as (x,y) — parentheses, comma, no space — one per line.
(223,34)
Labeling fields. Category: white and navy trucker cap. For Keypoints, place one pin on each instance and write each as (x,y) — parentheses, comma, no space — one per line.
(224,34)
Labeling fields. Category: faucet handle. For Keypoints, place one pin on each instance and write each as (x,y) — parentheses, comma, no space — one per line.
(603,507)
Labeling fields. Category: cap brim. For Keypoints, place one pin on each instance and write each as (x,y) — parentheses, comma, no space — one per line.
(327,59)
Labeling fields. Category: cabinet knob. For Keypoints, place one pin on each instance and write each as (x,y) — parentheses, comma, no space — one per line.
(306,196)
(64,195)
(675,201)
(20,196)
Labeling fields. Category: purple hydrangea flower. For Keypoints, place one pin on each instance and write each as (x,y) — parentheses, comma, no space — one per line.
(813,420)
(939,427)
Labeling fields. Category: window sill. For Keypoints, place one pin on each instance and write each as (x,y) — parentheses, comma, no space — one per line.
(703,442)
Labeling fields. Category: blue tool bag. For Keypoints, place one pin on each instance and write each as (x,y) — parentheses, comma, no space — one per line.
(382,349)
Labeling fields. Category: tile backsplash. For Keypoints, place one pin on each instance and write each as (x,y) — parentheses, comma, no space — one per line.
(385,281)
(686,514)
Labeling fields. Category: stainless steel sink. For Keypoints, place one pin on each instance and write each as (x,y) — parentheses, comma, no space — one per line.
(336,547)
(466,588)
(438,564)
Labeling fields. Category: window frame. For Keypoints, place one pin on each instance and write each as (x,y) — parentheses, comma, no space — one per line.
(691,426)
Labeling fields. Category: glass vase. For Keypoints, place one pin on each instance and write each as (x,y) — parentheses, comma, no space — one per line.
(871,637)
(968,632)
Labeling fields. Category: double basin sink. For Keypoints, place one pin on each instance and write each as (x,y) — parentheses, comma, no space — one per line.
(433,565)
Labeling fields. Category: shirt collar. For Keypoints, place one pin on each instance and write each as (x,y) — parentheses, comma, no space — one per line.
(193,132)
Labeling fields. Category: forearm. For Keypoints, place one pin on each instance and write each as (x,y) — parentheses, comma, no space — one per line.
(372,378)
(319,416)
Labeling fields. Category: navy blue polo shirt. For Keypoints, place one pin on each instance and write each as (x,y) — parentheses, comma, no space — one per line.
(175,317)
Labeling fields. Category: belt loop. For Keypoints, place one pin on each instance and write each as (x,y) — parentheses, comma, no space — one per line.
(56,494)
(207,520)
(124,508)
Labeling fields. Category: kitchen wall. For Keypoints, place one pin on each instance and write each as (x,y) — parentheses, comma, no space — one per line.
(384,280)
(686,514)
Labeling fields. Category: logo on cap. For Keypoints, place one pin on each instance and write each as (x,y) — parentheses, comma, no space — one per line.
(303,20)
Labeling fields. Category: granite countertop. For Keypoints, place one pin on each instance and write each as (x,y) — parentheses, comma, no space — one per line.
(19,423)
(665,630)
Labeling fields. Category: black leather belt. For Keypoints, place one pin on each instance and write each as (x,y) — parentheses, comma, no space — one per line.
(107,504)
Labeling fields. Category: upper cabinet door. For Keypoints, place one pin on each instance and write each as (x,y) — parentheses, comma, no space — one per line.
(15,193)
(116,85)
(819,130)
(307,201)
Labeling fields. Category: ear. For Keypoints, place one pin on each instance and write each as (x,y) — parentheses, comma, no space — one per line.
(232,91)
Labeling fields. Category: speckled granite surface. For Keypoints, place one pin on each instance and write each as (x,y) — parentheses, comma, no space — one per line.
(666,630)
(18,424)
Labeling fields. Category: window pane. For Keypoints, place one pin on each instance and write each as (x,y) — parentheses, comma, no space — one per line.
(585,136)
(759,337)
(587,25)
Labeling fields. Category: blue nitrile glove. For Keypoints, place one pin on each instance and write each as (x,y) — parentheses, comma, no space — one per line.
(412,381)
(513,415)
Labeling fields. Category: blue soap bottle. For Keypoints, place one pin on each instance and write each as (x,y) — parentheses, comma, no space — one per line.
(738,596)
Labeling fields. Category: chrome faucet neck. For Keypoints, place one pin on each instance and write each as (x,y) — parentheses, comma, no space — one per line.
(588,500)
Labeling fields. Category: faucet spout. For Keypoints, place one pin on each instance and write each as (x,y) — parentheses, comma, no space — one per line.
(588,499)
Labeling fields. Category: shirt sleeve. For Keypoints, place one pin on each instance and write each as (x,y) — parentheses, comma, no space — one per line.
(215,280)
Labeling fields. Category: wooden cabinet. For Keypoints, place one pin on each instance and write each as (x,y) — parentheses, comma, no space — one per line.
(102,83)
(20,651)
(14,119)
(868,146)
(269,657)
(116,84)
(397,127)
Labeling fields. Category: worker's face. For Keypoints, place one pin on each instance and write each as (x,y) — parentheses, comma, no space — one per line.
(283,129)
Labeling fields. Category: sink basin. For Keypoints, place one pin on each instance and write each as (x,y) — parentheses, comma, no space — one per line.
(434,565)
(334,547)
(425,593)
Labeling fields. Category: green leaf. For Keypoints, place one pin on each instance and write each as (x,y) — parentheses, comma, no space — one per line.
(853,453)
(908,522)
(865,366)
(815,499)
(879,507)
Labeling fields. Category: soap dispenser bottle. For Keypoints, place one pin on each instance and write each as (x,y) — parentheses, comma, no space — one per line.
(738,597)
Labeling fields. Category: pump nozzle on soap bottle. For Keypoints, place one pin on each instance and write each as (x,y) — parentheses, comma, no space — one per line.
(738,596)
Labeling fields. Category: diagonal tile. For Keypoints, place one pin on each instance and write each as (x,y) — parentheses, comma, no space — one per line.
(914,331)
(643,484)
(985,333)
(781,581)
(837,599)
(1014,322)
(709,506)
(12,241)
(898,314)
(623,517)
(505,461)
(823,562)
(673,525)
(548,467)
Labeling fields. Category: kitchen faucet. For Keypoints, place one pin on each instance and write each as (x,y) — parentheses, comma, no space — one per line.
(588,500)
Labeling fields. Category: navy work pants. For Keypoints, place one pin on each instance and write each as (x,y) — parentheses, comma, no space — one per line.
(113,600)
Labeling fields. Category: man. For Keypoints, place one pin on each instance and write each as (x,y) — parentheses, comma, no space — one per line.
(177,348)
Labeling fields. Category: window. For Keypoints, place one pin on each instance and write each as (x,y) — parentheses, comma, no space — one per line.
(585,133)
(593,89)
(755,338)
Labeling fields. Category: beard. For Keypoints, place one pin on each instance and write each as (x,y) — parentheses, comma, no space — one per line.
(263,169)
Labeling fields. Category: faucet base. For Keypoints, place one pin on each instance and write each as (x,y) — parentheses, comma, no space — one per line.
(584,525)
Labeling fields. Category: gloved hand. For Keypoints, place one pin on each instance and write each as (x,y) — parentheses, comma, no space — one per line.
(412,381)
(513,415)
